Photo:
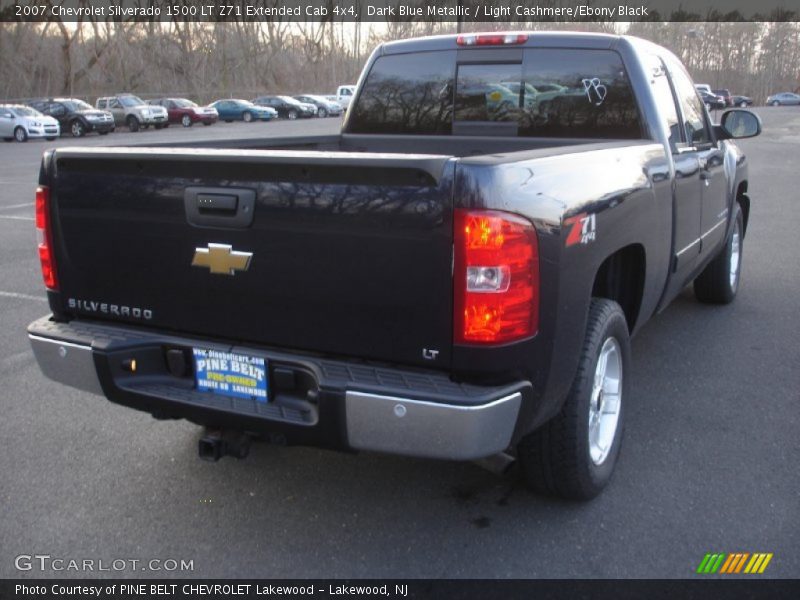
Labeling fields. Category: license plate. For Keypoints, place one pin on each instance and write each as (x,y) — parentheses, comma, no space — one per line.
(230,374)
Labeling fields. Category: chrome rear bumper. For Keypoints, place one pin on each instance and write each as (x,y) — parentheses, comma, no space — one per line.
(420,414)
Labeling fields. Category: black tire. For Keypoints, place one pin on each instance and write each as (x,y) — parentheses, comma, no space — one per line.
(322,113)
(145,126)
(227,121)
(20,134)
(206,123)
(292,115)
(133,124)
(556,459)
(11,139)
(247,117)
(775,103)
(77,129)
(50,139)
(742,104)
(186,121)
(718,283)
(103,132)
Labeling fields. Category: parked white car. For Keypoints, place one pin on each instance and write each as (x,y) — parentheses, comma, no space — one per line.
(22,122)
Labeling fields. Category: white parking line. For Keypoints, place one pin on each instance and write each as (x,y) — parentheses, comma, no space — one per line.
(16,206)
(15,218)
(22,296)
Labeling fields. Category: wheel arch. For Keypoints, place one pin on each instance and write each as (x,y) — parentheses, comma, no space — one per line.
(744,202)
(621,278)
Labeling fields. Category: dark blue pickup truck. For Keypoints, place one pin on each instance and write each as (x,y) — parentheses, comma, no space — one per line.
(456,275)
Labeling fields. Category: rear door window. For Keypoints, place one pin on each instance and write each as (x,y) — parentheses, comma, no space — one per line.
(664,99)
(694,115)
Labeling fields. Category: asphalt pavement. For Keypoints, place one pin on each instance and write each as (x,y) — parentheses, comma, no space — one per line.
(709,462)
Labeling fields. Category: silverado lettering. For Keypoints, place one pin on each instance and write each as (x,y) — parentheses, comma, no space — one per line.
(456,275)
(110,309)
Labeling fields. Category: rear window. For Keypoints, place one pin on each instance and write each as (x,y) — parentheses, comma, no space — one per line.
(565,93)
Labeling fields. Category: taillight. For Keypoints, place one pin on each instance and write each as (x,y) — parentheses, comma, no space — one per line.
(491,39)
(496,274)
(44,237)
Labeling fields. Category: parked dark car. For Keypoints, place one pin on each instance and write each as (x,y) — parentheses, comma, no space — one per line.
(712,101)
(741,101)
(287,107)
(231,110)
(725,95)
(186,112)
(325,108)
(75,116)
(784,99)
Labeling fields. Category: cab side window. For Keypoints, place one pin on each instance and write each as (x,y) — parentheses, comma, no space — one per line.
(662,93)
(694,114)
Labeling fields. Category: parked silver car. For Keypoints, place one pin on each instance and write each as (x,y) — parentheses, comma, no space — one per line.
(133,112)
(324,106)
(22,122)
(784,99)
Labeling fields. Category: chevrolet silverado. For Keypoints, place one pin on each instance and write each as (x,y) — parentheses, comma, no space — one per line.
(456,275)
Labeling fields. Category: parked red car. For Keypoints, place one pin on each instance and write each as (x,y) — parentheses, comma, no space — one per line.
(186,112)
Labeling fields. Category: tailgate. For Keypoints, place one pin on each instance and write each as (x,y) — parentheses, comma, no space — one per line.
(340,253)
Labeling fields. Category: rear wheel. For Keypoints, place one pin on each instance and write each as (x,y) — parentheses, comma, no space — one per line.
(50,139)
(133,124)
(20,134)
(322,113)
(719,281)
(248,117)
(77,129)
(742,104)
(574,454)
(775,103)
(186,121)
(292,115)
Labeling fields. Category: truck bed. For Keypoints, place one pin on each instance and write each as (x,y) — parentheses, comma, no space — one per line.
(446,145)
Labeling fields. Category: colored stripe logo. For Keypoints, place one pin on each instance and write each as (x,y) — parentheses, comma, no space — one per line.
(733,563)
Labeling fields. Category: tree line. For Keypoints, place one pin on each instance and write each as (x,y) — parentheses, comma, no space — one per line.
(206,61)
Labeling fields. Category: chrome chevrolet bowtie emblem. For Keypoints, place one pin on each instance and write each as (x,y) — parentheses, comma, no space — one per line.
(221,259)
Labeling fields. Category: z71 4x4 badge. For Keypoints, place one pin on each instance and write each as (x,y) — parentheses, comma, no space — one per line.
(582,229)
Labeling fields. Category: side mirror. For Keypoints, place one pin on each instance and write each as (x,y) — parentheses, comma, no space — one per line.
(737,124)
